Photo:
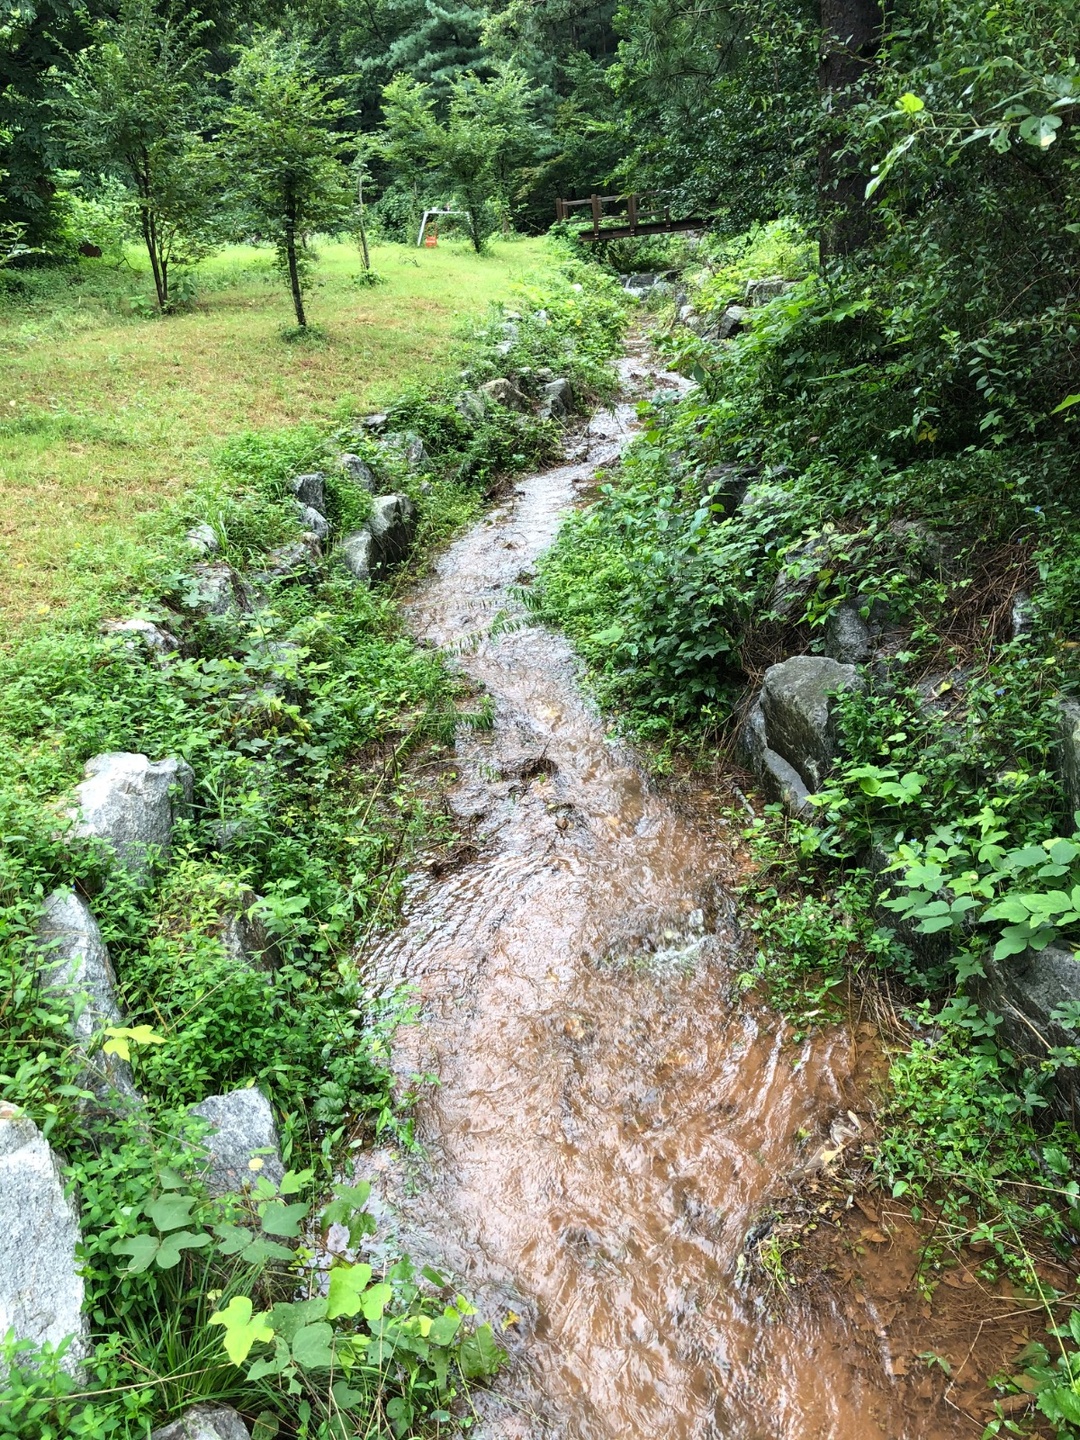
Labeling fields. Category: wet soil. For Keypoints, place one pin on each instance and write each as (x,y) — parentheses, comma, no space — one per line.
(615,1124)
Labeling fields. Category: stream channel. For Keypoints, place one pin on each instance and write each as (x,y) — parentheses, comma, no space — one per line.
(612,1119)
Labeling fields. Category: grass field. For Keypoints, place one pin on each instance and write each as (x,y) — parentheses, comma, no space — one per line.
(105,414)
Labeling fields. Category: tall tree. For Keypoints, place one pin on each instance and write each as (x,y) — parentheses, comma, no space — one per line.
(851,35)
(285,155)
(135,105)
(475,154)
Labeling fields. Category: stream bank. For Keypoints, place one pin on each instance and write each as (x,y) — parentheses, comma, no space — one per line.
(614,1124)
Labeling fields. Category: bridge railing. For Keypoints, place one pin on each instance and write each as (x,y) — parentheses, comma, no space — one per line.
(624,211)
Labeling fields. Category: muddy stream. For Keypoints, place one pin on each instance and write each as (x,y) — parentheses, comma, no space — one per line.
(612,1120)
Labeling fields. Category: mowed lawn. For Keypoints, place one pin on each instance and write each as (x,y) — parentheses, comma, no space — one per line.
(104,414)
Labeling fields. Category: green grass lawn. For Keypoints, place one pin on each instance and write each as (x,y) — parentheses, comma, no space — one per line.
(105,414)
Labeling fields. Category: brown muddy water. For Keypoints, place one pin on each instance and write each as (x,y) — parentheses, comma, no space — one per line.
(612,1120)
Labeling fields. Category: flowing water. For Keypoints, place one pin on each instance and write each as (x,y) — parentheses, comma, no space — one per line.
(612,1120)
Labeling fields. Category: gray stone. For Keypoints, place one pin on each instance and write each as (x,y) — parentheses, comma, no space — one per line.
(392,525)
(131,803)
(796,703)
(724,487)
(76,970)
(1024,990)
(357,552)
(359,472)
(311,490)
(732,321)
(556,400)
(760,292)
(41,1290)
(312,521)
(203,538)
(502,392)
(472,406)
(143,635)
(375,422)
(216,590)
(410,447)
(779,780)
(299,560)
(242,1126)
(847,636)
(204,1422)
(246,939)
(1069,739)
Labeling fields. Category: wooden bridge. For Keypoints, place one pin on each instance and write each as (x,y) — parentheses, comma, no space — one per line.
(616,217)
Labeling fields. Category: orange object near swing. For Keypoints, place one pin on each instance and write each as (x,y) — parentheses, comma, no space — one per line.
(431,239)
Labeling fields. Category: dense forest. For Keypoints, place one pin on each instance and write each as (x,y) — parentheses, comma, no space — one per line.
(870,473)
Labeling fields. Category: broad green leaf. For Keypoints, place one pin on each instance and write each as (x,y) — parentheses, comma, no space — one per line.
(141,1248)
(290,1317)
(172,1245)
(375,1301)
(480,1354)
(910,104)
(294,1181)
(312,1347)
(242,1328)
(347,1283)
(1040,130)
(170,1212)
(1066,404)
(277,1219)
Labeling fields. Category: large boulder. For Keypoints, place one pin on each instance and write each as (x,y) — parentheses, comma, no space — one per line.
(313,521)
(779,779)
(732,322)
(760,292)
(131,803)
(556,400)
(41,1289)
(143,635)
(204,1422)
(502,392)
(359,472)
(298,560)
(392,525)
(215,590)
(357,552)
(847,636)
(311,490)
(1069,750)
(723,488)
(76,970)
(797,710)
(410,446)
(203,538)
(1025,990)
(242,1131)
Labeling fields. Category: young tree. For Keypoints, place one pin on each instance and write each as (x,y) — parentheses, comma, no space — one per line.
(134,106)
(284,155)
(475,153)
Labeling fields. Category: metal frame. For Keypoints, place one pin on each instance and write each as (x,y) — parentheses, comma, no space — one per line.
(427,216)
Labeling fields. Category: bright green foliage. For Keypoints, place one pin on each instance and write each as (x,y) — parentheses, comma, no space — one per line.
(135,105)
(471,156)
(284,153)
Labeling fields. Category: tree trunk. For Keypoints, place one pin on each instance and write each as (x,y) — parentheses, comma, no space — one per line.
(294,269)
(360,221)
(149,230)
(850,41)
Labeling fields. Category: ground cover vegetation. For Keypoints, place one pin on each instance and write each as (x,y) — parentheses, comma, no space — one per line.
(901,419)
(903,414)
(299,715)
